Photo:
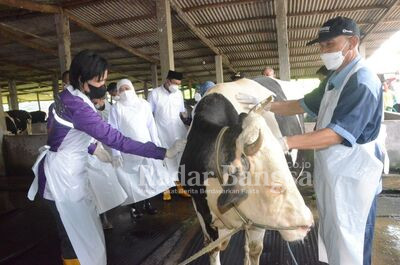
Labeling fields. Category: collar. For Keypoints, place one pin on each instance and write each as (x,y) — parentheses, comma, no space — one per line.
(337,78)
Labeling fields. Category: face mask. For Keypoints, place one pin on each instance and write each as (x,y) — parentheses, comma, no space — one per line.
(116,98)
(333,60)
(99,107)
(197,96)
(173,87)
(96,92)
(128,96)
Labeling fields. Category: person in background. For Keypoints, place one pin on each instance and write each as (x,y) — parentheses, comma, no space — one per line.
(203,88)
(65,79)
(140,177)
(112,91)
(167,106)
(388,97)
(61,167)
(268,71)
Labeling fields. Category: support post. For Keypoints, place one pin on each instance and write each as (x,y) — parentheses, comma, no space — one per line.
(165,37)
(219,70)
(38,100)
(55,86)
(145,89)
(64,41)
(283,40)
(154,77)
(3,129)
(12,88)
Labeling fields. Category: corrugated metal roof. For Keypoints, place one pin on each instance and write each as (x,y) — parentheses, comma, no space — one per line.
(244,31)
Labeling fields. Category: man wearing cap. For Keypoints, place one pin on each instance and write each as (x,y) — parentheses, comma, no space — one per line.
(167,105)
(348,156)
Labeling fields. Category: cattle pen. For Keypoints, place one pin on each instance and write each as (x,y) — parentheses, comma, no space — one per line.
(206,40)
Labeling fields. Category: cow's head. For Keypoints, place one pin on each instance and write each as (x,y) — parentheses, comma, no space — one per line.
(261,184)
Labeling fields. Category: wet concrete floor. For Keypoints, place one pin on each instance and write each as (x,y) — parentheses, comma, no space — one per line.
(28,235)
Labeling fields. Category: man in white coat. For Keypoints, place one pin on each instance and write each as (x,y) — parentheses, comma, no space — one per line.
(168,106)
(140,177)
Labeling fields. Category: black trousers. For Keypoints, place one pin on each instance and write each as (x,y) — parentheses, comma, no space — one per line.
(67,251)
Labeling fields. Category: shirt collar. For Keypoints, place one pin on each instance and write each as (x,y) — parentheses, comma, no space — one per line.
(338,78)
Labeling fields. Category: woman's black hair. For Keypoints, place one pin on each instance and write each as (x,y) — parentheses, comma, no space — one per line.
(85,66)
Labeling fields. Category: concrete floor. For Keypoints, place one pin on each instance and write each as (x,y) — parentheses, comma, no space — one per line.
(28,236)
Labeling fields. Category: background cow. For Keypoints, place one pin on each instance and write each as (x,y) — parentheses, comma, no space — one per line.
(252,153)
(18,122)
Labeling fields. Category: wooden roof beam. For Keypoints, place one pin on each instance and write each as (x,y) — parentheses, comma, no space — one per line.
(389,9)
(124,20)
(33,6)
(198,33)
(228,22)
(25,39)
(222,4)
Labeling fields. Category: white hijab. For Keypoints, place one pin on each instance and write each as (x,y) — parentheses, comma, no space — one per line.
(127,97)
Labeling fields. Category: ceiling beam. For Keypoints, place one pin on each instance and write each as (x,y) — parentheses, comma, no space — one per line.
(185,18)
(30,5)
(337,11)
(388,10)
(25,39)
(228,22)
(124,20)
(223,4)
(25,65)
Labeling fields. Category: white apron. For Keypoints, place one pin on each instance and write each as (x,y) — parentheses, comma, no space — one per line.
(66,179)
(107,191)
(346,182)
(141,177)
(169,125)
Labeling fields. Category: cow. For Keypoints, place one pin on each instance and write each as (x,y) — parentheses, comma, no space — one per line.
(38,116)
(18,122)
(266,193)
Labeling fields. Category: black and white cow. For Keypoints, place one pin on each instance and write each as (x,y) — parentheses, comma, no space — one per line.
(18,121)
(251,152)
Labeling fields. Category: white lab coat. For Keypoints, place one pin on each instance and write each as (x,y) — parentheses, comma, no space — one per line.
(166,108)
(346,182)
(141,177)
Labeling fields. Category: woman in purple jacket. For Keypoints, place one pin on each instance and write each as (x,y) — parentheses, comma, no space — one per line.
(60,169)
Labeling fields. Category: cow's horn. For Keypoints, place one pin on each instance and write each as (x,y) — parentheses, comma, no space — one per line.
(251,149)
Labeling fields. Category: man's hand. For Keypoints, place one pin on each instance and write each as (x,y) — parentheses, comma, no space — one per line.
(178,147)
(102,154)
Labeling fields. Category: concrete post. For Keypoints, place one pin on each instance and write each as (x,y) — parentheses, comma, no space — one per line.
(145,89)
(283,40)
(64,41)
(165,37)
(219,69)
(12,88)
(154,77)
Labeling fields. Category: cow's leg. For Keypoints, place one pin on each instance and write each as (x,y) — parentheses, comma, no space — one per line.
(210,233)
(254,242)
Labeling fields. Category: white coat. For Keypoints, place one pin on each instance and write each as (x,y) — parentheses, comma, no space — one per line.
(141,177)
(166,108)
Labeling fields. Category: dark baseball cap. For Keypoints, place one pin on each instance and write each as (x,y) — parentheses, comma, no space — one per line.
(335,27)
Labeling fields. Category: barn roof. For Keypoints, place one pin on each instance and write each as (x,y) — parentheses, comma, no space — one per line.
(243,31)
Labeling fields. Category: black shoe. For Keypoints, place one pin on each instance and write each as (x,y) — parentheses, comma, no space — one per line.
(105,222)
(135,213)
(149,209)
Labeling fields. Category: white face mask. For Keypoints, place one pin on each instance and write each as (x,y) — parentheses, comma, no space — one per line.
(333,60)
(173,87)
(197,97)
(116,98)
(128,96)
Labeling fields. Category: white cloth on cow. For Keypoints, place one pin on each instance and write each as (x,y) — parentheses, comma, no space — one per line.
(166,108)
(140,177)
